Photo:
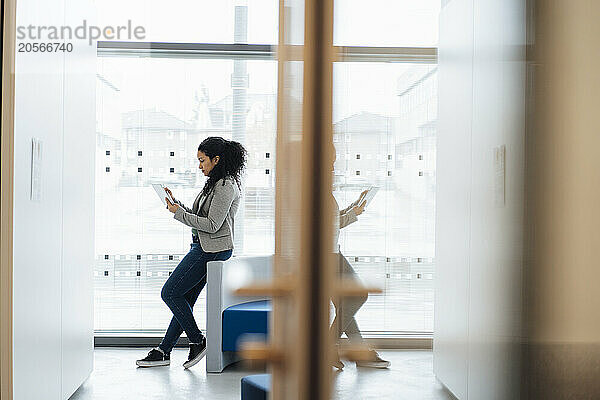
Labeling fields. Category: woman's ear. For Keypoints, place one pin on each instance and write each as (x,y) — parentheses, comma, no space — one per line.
(217,158)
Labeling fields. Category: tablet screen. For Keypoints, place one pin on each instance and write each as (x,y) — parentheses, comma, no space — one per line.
(371,194)
(160,191)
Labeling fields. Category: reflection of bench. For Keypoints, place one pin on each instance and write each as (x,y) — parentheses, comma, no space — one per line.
(224,323)
(256,387)
(243,319)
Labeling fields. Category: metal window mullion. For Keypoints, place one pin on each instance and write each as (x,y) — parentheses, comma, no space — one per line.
(258,51)
(386,54)
(185,50)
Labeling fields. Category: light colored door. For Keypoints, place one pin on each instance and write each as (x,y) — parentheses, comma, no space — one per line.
(298,348)
(301,350)
(303,214)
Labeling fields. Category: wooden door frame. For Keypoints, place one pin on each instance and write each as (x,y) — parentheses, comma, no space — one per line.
(304,227)
(317,225)
(8,18)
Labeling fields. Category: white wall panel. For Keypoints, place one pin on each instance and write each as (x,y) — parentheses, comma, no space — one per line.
(496,230)
(479,241)
(52,293)
(453,180)
(37,225)
(78,204)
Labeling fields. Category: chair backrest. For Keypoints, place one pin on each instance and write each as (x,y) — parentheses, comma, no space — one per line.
(240,271)
(224,277)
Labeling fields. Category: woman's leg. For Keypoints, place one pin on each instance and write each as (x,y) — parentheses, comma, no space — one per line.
(344,320)
(347,307)
(175,330)
(189,273)
(345,311)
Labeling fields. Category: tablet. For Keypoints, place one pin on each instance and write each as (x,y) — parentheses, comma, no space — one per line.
(372,191)
(160,191)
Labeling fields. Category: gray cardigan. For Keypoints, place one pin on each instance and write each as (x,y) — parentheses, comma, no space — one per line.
(213,216)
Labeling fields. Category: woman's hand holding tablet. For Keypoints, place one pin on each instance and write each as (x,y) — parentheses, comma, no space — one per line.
(371,192)
(364,199)
(163,193)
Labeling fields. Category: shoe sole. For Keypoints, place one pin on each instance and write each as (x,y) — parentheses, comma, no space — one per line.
(152,363)
(195,361)
(374,365)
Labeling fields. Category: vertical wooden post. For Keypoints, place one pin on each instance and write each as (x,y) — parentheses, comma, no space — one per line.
(6,195)
(317,227)
(561,319)
(304,209)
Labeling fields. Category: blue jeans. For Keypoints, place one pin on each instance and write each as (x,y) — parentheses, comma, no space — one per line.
(181,291)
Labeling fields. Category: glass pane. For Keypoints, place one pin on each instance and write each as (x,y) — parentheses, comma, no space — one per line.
(384,133)
(402,23)
(151,115)
(190,21)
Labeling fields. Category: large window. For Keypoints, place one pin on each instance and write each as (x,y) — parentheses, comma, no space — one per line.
(155,106)
(384,134)
(152,114)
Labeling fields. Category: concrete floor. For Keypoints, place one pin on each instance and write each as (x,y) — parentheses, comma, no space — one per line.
(115,377)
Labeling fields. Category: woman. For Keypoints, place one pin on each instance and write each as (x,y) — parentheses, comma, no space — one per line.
(212,221)
(347,307)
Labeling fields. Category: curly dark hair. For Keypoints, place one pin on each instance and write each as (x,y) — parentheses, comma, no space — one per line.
(232,161)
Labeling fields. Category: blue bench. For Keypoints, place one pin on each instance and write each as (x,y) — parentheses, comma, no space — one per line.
(245,318)
(256,387)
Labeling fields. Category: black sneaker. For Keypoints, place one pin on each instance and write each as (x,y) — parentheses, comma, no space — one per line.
(197,351)
(155,358)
